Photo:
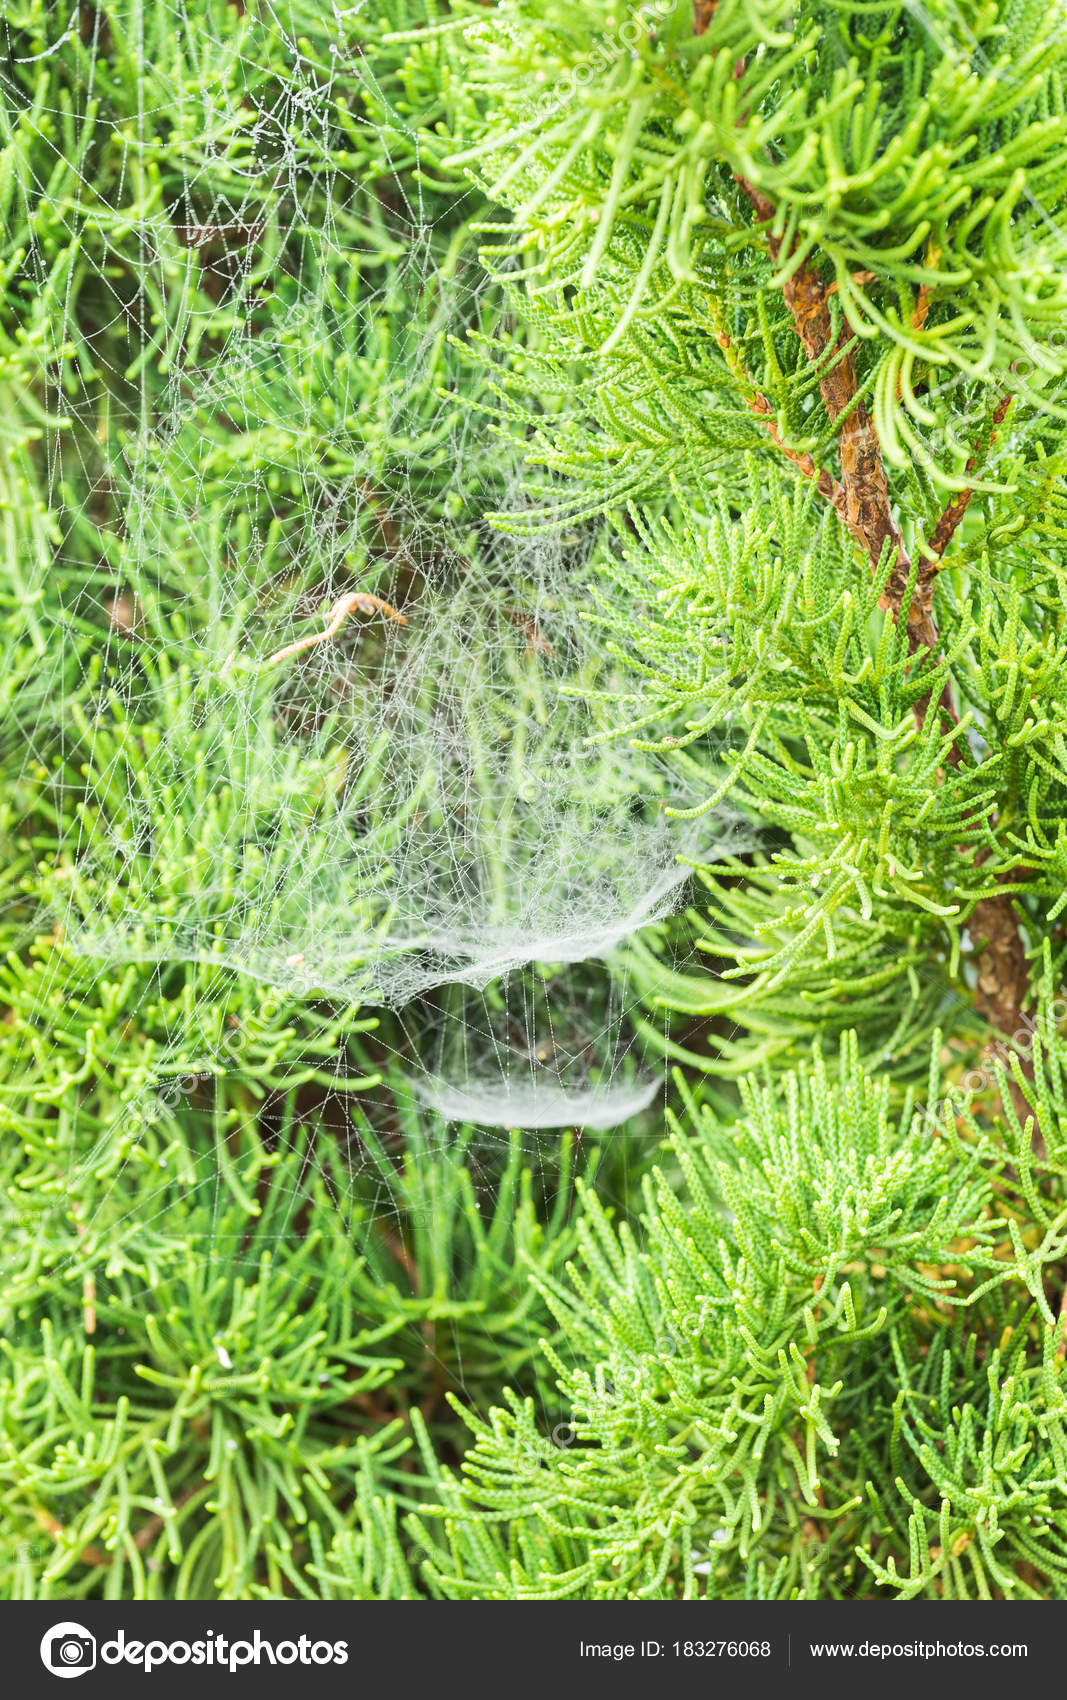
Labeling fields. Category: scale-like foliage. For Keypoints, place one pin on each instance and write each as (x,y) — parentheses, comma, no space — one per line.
(771,315)
(830,1368)
(794,278)
(214,1340)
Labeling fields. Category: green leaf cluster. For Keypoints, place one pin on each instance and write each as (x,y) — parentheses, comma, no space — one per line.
(509,311)
(828,1368)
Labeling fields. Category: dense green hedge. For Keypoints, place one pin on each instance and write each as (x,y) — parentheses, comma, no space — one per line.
(695,374)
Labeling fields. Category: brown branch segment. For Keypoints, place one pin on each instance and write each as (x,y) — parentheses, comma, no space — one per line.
(827,486)
(1001,963)
(866,511)
(1001,988)
(863,479)
(953,514)
(1001,957)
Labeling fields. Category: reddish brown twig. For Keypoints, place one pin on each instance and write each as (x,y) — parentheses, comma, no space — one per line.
(1001,958)
(826,485)
(922,300)
(536,642)
(922,306)
(953,514)
(1001,963)
(147,1533)
(858,278)
(91,1555)
(866,510)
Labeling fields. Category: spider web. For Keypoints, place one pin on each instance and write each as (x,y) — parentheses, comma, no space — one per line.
(409,801)
(268,794)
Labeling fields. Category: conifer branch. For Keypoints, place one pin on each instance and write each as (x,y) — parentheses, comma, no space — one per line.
(864,489)
(825,483)
(1001,959)
(946,526)
(922,307)
(833,1361)
(922,300)
(866,510)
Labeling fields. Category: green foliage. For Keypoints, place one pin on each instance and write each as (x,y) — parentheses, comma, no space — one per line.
(215,1340)
(762,639)
(904,171)
(923,148)
(237,1263)
(766,337)
(828,1368)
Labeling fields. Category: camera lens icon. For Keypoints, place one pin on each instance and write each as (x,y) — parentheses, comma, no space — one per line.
(68,1649)
(74,1650)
